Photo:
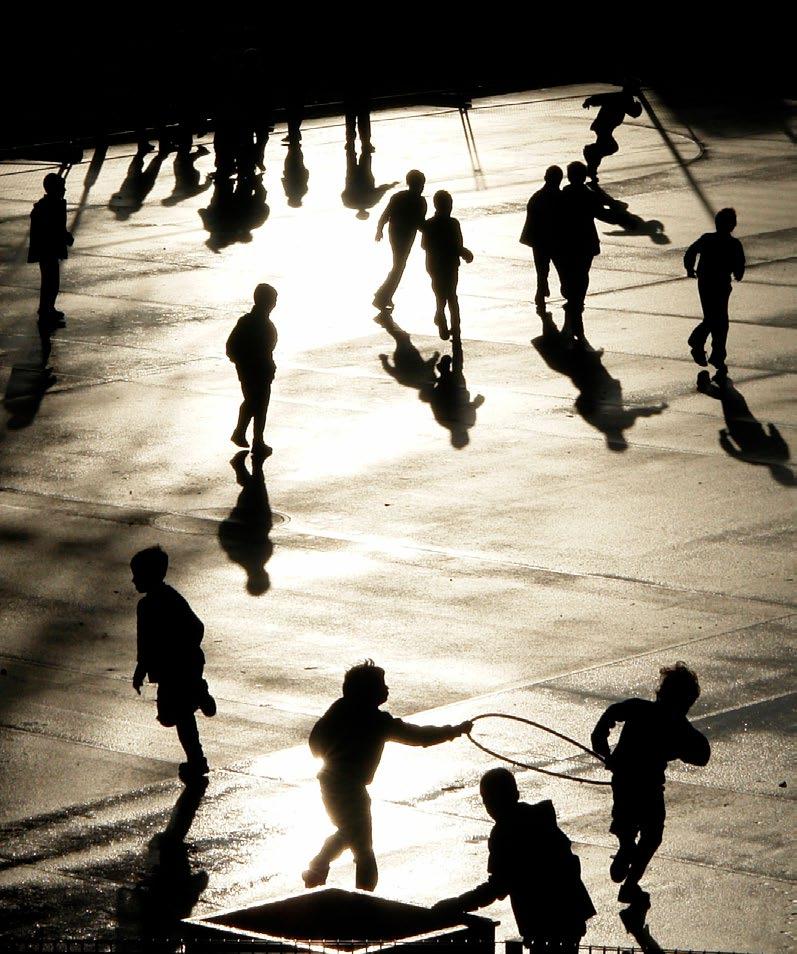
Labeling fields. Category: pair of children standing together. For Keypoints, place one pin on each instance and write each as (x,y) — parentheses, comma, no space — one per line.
(405,216)
(530,858)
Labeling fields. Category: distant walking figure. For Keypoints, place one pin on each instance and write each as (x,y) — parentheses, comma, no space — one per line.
(614,107)
(654,733)
(350,738)
(720,256)
(168,639)
(49,239)
(250,347)
(541,232)
(442,241)
(531,860)
(357,108)
(404,215)
(578,244)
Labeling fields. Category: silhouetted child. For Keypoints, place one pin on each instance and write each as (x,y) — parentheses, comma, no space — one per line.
(577,244)
(250,347)
(653,734)
(350,737)
(168,639)
(442,240)
(541,232)
(404,215)
(614,107)
(530,859)
(49,239)
(720,256)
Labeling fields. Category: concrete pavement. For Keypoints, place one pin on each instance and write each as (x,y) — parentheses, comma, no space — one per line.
(585,535)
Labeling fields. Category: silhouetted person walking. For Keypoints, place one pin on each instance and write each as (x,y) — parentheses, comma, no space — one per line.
(614,107)
(531,860)
(350,737)
(442,241)
(250,347)
(541,232)
(653,734)
(578,245)
(720,257)
(49,239)
(404,215)
(168,639)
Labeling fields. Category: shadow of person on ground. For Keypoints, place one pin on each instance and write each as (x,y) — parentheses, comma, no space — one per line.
(168,889)
(745,437)
(631,224)
(137,185)
(633,919)
(600,399)
(409,367)
(450,399)
(295,176)
(234,211)
(92,174)
(28,382)
(360,190)
(244,535)
(187,176)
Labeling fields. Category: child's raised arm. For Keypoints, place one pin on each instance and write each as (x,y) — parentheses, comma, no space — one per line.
(618,712)
(408,734)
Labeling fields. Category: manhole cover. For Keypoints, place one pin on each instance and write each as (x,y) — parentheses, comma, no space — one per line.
(206,522)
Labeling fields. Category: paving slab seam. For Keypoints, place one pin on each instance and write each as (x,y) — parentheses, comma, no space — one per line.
(294,528)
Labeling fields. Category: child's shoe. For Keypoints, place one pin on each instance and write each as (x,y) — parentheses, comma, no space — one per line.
(315,877)
(239,439)
(192,773)
(634,895)
(699,357)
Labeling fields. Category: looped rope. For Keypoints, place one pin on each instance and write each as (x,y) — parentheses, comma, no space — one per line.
(536,768)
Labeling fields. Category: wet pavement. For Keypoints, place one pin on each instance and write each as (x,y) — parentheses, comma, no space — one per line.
(540,546)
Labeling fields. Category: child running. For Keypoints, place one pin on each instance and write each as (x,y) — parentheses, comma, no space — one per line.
(350,737)
(653,734)
(168,638)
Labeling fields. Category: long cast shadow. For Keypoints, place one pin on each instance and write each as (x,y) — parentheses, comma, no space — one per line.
(186,176)
(634,922)
(168,888)
(360,190)
(630,224)
(30,379)
(234,211)
(137,185)
(439,381)
(244,535)
(744,437)
(600,399)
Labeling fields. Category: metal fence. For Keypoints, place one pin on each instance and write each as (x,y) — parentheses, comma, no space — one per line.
(183,945)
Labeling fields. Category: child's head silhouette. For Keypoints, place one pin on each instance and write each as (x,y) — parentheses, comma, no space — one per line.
(149,568)
(725,221)
(554,175)
(54,185)
(443,203)
(576,173)
(499,792)
(416,180)
(365,683)
(265,297)
(678,688)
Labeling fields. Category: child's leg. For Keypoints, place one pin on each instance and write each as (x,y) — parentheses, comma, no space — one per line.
(188,734)
(650,835)
(340,803)
(453,304)
(718,323)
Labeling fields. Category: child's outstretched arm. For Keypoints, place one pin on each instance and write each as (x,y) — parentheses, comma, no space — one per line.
(409,734)
(600,734)
(491,890)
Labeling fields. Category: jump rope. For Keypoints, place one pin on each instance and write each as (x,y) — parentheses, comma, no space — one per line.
(536,768)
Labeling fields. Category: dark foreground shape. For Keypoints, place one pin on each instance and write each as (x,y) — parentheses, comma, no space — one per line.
(346,921)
